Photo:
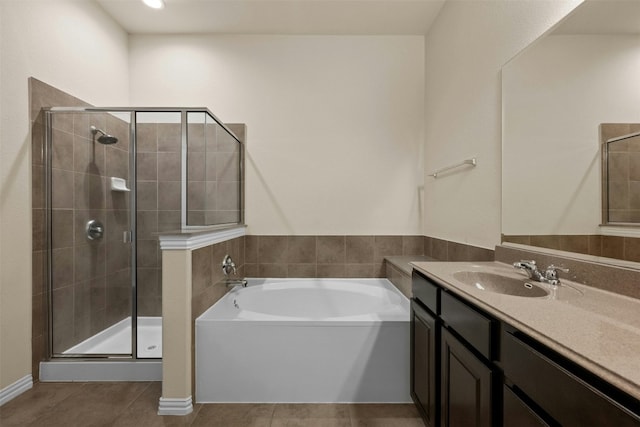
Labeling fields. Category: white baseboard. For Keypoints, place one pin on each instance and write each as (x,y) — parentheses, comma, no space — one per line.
(175,406)
(100,370)
(14,390)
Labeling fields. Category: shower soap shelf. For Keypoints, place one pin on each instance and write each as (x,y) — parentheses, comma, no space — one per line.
(118,184)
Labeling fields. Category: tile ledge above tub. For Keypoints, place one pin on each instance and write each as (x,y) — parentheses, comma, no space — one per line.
(199,238)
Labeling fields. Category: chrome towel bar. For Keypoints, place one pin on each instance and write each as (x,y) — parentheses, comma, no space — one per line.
(472,162)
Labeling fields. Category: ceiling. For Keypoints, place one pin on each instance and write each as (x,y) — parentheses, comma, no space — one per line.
(326,17)
(603,17)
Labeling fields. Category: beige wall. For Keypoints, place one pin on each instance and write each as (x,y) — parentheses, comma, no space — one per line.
(74,46)
(334,122)
(465,50)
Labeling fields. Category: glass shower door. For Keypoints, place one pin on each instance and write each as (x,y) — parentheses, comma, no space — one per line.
(90,247)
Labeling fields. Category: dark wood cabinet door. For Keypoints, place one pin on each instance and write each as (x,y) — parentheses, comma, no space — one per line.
(516,413)
(424,352)
(466,386)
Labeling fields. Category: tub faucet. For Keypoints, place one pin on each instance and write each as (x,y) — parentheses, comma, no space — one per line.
(550,274)
(232,283)
(228,265)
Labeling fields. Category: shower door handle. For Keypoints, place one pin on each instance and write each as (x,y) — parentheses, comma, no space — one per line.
(126,236)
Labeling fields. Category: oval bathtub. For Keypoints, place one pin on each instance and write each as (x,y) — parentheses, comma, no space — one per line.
(305,340)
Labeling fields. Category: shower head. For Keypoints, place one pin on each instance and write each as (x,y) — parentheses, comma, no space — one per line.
(105,138)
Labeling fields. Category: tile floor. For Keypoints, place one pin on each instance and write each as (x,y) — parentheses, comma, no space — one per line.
(135,404)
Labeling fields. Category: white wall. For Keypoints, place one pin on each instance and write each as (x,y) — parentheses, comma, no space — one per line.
(465,50)
(335,123)
(556,95)
(74,46)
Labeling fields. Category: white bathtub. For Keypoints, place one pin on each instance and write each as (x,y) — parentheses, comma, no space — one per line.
(305,340)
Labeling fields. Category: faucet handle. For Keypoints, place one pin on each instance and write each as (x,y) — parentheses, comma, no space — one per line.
(525,263)
(551,274)
(556,268)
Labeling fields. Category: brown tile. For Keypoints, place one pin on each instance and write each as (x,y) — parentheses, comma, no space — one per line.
(632,249)
(62,267)
(62,184)
(359,249)
(37,143)
(146,137)
(618,167)
(228,196)
(412,245)
(480,254)
(37,187)
(196,167)
(227,166)
(62,150)
(61,228)
(272,270)
(618,195)
(365,271)
(90,261)
(97,404)
(118,163)
(457,251)
(613,247)
(147,253)
(147,165)
(272,249)
(251,249)
(169,195)
(301,249)
(238,129)
(634,195)
(196,195)
(427,245)
(251,270)
(386,246)
(117,222)
(38,265)
(439,249)
(595,245)
(330,249)
(331,270)
(575,243)
(38,229)
(303,410)
(169,137)
(147,195)
(234,414)
(201,268)
(546,241)
(168,220)
(521,239)
(301,270)
(388,422)
(634,166)
(147,224)
(37,403)
(169,167)
(381,411)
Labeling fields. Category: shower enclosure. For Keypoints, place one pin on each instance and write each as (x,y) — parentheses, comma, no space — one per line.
(115,178)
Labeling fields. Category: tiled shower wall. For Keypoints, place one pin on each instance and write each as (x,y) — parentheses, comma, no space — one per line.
(624,172)
(158,162)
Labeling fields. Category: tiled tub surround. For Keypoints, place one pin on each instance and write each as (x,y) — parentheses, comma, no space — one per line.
(345,256)
(624,248)
(598,330)
(398,271)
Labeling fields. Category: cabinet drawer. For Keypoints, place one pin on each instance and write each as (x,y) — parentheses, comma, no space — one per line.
(565,397)
(425,291)
(516,413)
(469,323)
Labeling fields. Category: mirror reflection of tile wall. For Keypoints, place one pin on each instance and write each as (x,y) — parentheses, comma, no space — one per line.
(623,174)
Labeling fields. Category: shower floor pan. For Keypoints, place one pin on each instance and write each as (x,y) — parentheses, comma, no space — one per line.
(116,339)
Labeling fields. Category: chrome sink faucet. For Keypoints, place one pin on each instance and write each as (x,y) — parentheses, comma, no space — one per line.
(549,275)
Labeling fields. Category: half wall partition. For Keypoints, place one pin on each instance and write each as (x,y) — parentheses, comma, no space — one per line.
(115,178)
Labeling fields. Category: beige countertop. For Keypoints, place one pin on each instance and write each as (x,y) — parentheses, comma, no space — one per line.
(596,329)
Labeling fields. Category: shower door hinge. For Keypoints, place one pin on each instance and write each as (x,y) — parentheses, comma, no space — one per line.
(126,236)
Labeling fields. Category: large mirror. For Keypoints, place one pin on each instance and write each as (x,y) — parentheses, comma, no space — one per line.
(556,95)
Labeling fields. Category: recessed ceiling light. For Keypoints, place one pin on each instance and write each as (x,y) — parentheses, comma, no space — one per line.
(154,4)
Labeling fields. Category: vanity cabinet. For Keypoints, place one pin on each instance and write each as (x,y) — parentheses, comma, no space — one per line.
(468,368)
(451,344)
